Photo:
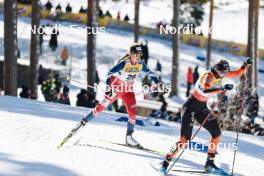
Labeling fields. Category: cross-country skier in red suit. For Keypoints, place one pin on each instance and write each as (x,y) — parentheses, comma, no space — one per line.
(195,107)
(120,78)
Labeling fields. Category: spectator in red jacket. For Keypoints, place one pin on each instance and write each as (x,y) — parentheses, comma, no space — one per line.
(118,15)
(189,81)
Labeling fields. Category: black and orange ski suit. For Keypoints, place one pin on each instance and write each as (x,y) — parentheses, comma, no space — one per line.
(195,107)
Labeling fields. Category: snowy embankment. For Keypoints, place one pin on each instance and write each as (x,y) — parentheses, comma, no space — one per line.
(31,131)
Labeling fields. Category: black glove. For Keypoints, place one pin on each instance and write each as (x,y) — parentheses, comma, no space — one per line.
(248,62)
(227,87)
(109,92)
(225,98)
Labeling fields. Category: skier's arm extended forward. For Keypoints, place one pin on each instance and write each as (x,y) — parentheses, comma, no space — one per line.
(239,72)
(235,73)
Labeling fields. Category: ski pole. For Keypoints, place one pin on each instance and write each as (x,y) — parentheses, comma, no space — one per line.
(201,125)
(240,114)
(87,85)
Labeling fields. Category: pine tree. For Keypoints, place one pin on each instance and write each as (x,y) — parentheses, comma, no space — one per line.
(136,24)
(195,10)
(197,13)
(91,40)
(10,47)
(34,49)
(175,49)
(255,65)
(252,48)
(208,60)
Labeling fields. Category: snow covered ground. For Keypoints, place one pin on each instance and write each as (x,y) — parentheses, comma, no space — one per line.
(230,16)
(31,131)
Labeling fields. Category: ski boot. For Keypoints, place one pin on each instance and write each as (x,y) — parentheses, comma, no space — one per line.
(130,141)
(210,167)
(163,169)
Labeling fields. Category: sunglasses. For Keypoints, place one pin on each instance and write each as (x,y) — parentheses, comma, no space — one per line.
(136,54)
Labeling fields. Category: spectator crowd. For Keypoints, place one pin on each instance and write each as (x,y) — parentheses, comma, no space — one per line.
(53,90)
(49,6)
